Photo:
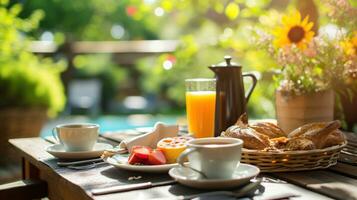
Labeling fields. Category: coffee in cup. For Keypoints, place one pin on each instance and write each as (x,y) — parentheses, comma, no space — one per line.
(214,158)
(76,137)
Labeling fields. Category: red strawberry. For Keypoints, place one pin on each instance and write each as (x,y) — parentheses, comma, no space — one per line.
(156,157)
(133,159)
(141,152)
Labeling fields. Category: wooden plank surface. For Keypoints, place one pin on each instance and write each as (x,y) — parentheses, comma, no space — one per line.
(64,183)
(24,189)
(345,169)
(323,181)
(33,150)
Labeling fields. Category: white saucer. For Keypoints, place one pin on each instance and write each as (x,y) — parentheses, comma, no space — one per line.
(121,161)
(242,174)
(57,150)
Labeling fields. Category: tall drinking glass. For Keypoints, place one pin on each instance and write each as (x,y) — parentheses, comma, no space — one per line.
(200,106)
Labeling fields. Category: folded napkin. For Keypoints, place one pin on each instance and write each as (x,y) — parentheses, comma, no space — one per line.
(150,139)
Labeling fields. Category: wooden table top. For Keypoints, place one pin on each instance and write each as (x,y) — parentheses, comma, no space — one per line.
(337,182)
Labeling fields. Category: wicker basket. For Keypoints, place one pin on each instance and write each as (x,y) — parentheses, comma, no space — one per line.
(292,160)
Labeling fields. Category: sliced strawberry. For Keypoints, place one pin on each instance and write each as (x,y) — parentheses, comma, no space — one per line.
(141,152)
(156,157)
(133,159)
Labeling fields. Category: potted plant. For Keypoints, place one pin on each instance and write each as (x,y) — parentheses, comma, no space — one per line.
(310,66)
(30,86)
(344,16)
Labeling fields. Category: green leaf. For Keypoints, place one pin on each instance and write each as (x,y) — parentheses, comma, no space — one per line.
(4,2)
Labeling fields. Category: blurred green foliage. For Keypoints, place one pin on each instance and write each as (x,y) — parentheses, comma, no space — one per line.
(26,79)
(207,31)
(211,30)
(93,19)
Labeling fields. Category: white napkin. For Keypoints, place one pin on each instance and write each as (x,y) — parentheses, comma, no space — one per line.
(151,138)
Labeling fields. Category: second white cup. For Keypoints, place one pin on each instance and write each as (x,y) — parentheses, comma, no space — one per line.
(214,158)
(77,137)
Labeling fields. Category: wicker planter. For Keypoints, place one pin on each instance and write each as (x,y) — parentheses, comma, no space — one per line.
(295,111)
(19,123)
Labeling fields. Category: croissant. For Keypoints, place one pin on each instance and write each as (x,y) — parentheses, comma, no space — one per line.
(252,139)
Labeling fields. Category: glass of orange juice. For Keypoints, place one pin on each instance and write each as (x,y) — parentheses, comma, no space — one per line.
(200,106)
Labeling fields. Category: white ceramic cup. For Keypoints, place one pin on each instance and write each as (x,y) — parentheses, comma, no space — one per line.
(214,157)
(76,137)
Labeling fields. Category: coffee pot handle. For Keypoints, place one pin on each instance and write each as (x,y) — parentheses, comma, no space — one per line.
(254,83)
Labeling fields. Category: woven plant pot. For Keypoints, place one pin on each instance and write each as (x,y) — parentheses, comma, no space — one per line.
(19,123)
(293,111)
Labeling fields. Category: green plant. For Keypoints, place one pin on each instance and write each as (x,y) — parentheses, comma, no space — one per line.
(308,63)
(26,79)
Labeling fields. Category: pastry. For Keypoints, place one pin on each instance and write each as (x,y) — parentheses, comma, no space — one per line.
(268,136)
(252,139)
(316,132)
(334,138)
(305,128)
(299,143)
(269,129)
(279,142)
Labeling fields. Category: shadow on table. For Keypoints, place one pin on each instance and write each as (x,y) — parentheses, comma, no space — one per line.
(131,177)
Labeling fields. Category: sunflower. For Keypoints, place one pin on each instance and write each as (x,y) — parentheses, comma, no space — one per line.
(294,31)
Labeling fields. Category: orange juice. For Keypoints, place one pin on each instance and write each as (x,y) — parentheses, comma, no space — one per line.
(200,108)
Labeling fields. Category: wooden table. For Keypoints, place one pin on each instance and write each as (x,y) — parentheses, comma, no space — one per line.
(338,182)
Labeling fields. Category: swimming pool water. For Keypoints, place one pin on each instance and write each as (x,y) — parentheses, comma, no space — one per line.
(112,123)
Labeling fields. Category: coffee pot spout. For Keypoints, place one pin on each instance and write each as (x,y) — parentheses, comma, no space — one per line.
(215,69)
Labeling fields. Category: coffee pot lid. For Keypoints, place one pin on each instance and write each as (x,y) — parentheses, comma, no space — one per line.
(227,63)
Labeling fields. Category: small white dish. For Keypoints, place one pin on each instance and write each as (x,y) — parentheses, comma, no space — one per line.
(241,176)
(57,150)
(121,161)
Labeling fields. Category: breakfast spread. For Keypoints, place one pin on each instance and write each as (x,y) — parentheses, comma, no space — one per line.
(268,136)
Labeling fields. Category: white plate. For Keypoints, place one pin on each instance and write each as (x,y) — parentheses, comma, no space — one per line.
(57,150)
(242,174)
(121,161)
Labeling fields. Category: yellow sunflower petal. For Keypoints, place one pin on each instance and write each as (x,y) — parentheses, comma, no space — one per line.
(285,20)
(305,21)
(309,26)
(297,18)
(310,34)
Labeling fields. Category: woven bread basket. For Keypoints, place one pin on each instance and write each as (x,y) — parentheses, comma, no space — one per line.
(292,160)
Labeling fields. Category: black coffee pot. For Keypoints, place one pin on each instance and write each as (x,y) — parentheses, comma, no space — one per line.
(231,99)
